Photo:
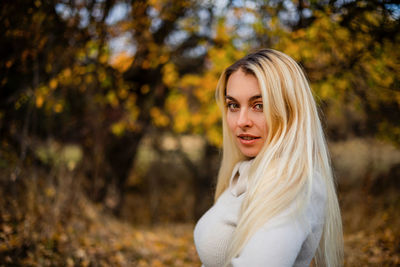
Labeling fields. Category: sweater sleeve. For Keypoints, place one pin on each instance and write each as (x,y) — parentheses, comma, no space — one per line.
(276,246)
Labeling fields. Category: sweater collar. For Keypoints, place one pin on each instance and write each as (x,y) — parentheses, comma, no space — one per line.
(238,181)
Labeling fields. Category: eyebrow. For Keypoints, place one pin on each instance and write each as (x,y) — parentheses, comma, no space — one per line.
(254,97)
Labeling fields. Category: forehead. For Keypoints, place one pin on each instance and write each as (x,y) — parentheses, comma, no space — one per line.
(243,85)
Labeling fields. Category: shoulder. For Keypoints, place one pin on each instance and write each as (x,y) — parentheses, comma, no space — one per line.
(318,195)
(306,212)
(318,187)
(312,216)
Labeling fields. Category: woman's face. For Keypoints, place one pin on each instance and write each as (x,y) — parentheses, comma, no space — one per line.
(245,116)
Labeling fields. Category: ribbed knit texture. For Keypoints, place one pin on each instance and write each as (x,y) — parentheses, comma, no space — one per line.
(283,241)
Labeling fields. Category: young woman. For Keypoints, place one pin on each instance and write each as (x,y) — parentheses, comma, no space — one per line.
(275,201)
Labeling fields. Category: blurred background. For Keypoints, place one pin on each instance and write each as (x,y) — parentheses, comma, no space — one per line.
(110,135)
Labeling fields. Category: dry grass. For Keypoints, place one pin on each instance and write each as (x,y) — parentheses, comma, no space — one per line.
(47,222)
(371,225)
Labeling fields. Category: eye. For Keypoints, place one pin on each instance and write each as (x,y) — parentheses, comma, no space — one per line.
(258,107)
(232,106)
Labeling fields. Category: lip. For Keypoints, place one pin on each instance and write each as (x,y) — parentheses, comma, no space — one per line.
(248,142)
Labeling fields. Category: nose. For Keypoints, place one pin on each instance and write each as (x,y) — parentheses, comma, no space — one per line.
(244,120)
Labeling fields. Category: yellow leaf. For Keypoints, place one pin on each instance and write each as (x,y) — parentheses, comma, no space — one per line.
(53,83)
(118,128)
(58,107)
(39,101)
(145,89)
(50,191)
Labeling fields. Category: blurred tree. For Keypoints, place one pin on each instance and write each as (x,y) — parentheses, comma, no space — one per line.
(348,50)
(169,38)
(349,53)
(31,35)
(60,77)
(58,82)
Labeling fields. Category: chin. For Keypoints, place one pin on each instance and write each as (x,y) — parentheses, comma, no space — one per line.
(249,154)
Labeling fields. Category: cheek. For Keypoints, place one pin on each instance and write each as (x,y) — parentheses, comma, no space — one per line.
(231,121)
(262,125)
(265,129)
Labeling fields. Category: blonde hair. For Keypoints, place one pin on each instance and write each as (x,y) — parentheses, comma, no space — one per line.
(294,151)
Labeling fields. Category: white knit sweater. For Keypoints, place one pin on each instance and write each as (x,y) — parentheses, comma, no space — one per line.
(283,241)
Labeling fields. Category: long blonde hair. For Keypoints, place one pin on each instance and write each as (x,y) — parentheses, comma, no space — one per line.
(294,150)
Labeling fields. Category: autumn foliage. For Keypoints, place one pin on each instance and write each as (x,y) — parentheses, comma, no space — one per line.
(110,134)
